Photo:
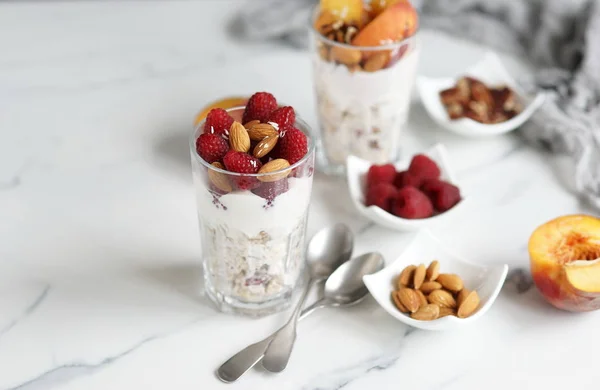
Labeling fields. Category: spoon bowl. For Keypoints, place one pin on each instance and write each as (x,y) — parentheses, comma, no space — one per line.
(345,286)
(329,248)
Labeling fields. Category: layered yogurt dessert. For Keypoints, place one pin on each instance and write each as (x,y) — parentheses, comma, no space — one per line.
(364,65)
(253,171)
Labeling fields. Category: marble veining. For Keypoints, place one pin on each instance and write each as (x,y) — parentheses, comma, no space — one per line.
(100,283)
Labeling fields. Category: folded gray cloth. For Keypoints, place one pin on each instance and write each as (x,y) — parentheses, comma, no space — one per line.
(560,37)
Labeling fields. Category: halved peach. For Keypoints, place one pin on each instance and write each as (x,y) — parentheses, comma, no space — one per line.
(377,6)
(565,262)
(395,23)
(225,103)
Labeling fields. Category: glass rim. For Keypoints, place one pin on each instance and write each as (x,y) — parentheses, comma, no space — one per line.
(306,129)
(388,46)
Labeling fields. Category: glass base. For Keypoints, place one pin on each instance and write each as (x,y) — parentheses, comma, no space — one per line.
(231,305)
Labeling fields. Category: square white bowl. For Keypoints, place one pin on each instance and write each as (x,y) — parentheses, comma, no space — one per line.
(487,280)
(356,171)
(492,72)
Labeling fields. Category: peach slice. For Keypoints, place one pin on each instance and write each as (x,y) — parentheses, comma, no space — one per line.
(224,103)
(395,23)
(565,262)
(348,11)
(377,6)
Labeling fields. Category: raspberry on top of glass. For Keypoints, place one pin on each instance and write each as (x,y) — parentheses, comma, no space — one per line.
(365,24)
(415,193)
(256,148)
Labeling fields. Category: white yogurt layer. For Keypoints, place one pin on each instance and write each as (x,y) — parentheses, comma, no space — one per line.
(362,113)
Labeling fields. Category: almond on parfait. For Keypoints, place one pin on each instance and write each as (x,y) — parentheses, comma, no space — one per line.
(253,169)
(364,64)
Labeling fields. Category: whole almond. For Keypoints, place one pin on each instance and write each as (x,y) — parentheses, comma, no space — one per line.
(422,298)
(273,166)
(419,276)
(376,61)
(218,179)
(259,131)
(346,56)
(398,303)
(406,276)
(469,305)
(446,311)
(426,313)
(238,137)
(428,287)
(433,271)
(409,299)
(460,297)
(450,282)
(248,125)
(265,146)
(442,298)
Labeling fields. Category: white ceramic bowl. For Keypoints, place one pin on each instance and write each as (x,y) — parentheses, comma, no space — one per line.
(356,171)
(491,71)
(487,280)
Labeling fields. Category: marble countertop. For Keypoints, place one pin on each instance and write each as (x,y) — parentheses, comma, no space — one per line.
(100,284)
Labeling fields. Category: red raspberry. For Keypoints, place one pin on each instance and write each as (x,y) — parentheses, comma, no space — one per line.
(218,121)
(293,145)
(381,174)
(259,106)
(443,195)
(404,179)
(381,195)
(284,117)
(241,162)
(211,147)
(271,190)
(424,167)
(411,203)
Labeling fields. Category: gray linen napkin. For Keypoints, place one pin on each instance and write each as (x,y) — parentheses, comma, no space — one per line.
(560,37)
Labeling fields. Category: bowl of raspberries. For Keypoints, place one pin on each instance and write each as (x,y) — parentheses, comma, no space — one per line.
(407,195)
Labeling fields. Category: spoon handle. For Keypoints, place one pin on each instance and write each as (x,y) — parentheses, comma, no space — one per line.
(241,362)
(279,350)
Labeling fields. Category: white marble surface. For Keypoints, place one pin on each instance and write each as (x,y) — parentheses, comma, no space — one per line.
(99,250)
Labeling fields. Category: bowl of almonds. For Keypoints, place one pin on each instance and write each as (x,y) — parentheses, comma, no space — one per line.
(429,287)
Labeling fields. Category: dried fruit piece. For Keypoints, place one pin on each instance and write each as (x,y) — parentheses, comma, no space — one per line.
(469,305)
(428,287)
(481,94)
(419,277)
(455,95)
(451,282)
(265,146)
(442,298)
(433,271)
(324,19)
(395,23)
(346,56)
(377,61)
(422,298)
(406,276)
(426,313)
(259,131)
(218,179)
(398,303)
(446,311)
(409,299)
(238,138)
(274,166)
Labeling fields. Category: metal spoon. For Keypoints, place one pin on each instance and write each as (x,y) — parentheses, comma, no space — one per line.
(329,248)
(343,288)
(279,351)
